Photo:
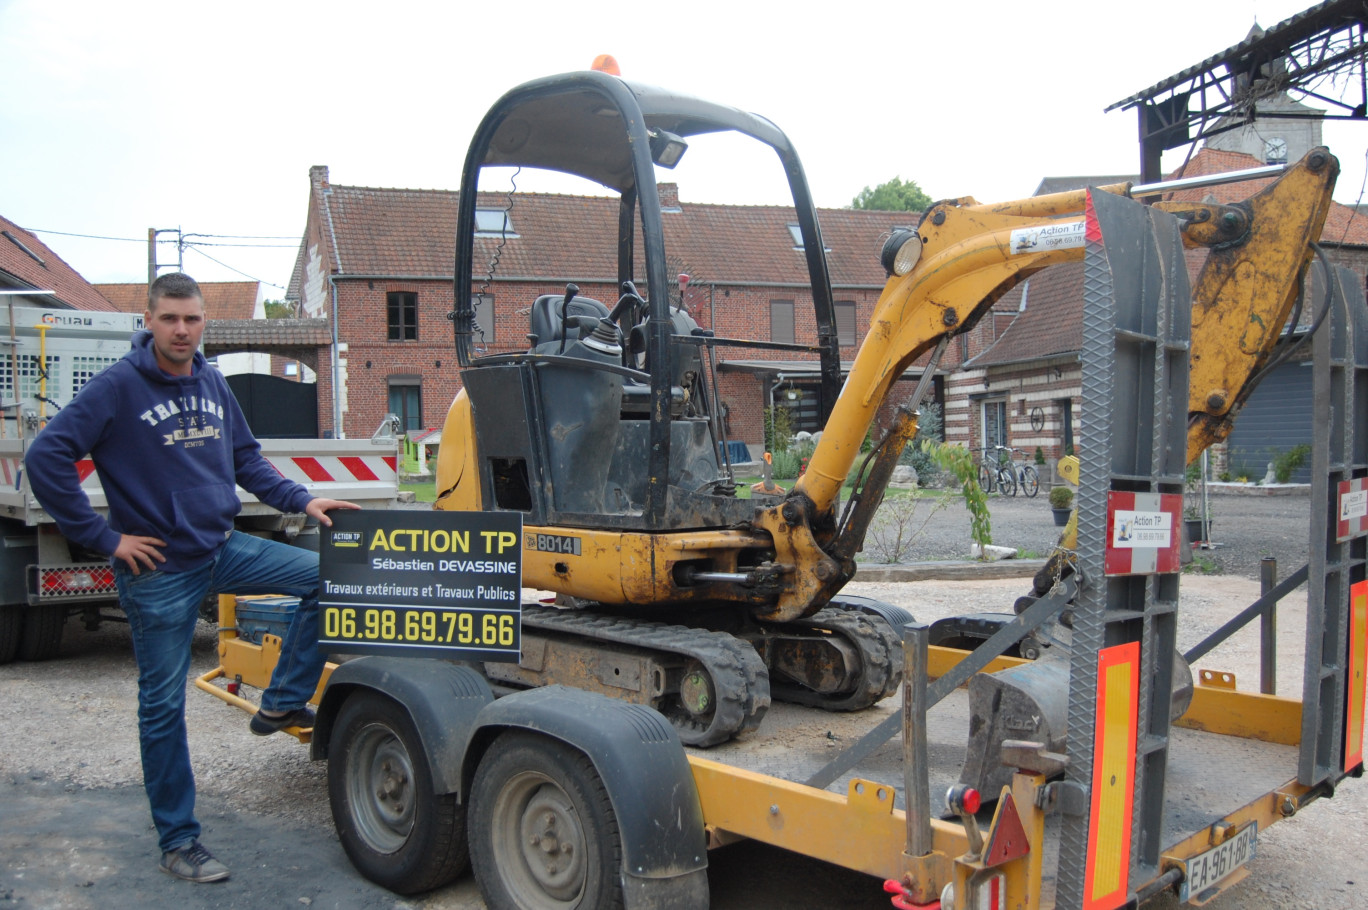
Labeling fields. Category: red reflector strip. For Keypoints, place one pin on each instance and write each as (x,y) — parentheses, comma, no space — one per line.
(357,467)
(393,462)
(74,582)
(1107,876)
(1092,230)
(1358,676)
(312,469)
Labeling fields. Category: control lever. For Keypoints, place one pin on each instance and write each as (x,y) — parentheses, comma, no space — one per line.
(571,290)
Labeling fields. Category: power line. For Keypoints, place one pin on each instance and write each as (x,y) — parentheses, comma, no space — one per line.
(195,249)
(86,236)
(244,236)
(239,246)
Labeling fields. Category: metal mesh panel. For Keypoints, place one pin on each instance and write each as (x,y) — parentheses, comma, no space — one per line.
(1136,323)
(83,369)
(1339,414)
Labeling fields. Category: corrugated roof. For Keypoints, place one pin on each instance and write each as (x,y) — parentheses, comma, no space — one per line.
(31,263)
(1260,44)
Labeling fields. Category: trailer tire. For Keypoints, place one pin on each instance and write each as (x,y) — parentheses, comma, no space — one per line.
(396,831)
(42,635)
(545,833)
(11,627)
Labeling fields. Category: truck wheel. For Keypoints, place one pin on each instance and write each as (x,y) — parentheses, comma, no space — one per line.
(545,835)
(396,831)
(42,635)
(11,625)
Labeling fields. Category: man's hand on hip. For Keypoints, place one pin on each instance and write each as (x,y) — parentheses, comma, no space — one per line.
(134,550)
(319,508)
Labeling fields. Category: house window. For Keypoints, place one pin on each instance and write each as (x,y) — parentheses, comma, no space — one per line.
(845,323)
(781,321)
(493,223)
(483,305)
(406,400)
(401,309)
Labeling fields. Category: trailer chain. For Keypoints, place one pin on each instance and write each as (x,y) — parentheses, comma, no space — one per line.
(876,643)
(740,680)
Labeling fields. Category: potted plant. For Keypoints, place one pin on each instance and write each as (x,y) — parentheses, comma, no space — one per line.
(1192,519)
(1192,498)
(1061,503)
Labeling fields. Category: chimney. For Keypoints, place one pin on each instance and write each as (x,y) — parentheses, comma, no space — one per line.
(669,196)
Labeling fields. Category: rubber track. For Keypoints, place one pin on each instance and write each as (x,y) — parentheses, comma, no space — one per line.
(740,678)
(880,653)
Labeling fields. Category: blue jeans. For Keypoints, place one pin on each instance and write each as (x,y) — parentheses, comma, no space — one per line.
(162,609)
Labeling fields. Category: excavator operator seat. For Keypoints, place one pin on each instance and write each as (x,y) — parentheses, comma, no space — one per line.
(548,316)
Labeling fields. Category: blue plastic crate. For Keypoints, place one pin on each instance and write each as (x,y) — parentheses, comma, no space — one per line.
(257,616)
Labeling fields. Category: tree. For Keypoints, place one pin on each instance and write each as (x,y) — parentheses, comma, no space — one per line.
(893,196)
(278,309)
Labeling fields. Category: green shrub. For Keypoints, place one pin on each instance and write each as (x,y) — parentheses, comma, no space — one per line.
(929,423)
(1061,497)
(786,464)
(778,429)
(1286,463)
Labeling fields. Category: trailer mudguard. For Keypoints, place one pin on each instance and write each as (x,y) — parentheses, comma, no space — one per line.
(643,767)
(442,698)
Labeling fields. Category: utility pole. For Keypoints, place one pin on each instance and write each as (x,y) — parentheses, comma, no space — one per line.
(153,267)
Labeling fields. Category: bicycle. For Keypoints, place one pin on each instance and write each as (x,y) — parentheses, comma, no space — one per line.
(986,474)
(1019,475)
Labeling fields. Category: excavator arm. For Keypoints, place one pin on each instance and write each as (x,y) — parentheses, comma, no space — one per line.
(964,256)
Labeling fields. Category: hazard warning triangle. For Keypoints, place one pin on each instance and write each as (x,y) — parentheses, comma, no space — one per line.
(1007,839)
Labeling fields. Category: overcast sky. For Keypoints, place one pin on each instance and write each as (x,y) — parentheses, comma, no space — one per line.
(119,117)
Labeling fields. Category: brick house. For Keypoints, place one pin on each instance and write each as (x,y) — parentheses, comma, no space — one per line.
(380,262)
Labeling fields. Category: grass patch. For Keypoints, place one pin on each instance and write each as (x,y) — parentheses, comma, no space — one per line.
(423,492)
(1201,565)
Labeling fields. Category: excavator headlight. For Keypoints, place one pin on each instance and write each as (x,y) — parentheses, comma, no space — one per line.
(901,252)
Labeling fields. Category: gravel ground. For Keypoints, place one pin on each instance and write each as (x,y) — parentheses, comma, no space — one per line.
(75,833)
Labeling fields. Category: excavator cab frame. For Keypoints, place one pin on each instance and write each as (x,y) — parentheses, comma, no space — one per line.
(615,133)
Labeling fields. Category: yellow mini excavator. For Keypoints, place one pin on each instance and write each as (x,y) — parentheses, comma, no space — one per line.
(671,590)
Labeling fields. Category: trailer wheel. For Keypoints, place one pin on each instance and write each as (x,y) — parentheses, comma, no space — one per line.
(42,635)
(396,831)
(11,626)
(545,834)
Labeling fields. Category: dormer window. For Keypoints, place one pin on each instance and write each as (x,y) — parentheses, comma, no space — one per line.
(796,231)
(493,223)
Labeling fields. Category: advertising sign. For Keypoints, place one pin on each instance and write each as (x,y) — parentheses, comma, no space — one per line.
(1142,538)
(422,584)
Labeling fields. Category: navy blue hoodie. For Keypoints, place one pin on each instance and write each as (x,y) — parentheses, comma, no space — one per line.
(168,450)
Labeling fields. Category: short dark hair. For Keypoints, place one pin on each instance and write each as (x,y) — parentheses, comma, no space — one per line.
(172,284)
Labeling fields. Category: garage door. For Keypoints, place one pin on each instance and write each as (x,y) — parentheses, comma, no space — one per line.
(1276,418)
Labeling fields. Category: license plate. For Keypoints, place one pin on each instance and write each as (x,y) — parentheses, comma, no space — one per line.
(1206,870)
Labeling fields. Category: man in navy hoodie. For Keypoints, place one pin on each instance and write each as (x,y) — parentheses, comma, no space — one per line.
(169,442)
